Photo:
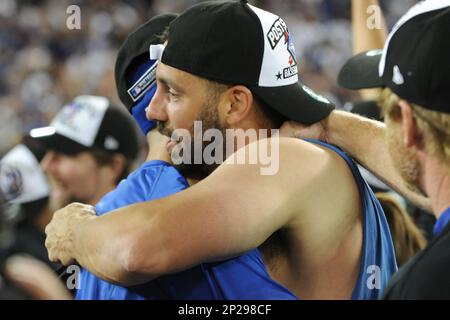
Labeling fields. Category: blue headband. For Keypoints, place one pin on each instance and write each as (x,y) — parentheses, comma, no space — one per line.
(138,109)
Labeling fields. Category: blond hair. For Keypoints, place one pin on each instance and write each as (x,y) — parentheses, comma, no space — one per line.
(408,239)
(434,125)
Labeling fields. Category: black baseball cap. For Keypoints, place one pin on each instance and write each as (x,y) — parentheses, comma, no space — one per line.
(415,61)
(87,123)
(133,53)
(233,42)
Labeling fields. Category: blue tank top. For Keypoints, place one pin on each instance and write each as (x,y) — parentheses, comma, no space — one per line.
(378,262)
(244,277)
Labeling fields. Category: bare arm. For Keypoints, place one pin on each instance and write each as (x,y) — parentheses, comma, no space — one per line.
(366,33)
(233,210)
(364,140)
(369,32)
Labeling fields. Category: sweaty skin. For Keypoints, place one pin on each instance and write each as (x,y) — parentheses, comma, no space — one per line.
(241,209)
(231,211)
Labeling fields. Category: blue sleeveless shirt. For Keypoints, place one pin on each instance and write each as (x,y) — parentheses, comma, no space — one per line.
(244,277)
(378,262)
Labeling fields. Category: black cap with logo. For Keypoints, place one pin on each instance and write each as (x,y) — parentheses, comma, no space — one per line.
(414,63)
(233,42)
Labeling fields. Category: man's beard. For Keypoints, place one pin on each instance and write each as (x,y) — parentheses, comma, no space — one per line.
(405,160)
(209,118)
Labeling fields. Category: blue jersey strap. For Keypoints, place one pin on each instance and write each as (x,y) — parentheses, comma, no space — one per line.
(378,261)
(442,222)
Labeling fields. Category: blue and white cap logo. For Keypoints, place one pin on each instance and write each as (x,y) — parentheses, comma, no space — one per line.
(143,84)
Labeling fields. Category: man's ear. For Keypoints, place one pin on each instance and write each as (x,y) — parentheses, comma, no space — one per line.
(239,105)
(117,165)
(411,134)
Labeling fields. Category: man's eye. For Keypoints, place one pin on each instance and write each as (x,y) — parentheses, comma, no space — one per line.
(172,94)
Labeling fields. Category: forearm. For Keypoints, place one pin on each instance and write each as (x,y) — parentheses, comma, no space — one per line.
(138,243)
(369,32)
(108,246)
(364,140)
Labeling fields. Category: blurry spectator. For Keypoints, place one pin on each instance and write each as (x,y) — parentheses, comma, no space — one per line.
(408,238)
(91,146)
(23,277)
(23,182)
(43,63)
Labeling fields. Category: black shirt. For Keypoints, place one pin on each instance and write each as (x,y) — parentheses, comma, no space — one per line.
(427,275)
(30,240)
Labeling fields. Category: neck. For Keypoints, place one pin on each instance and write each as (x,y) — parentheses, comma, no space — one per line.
(262,130)
(192,181)
(100,194)
(436,184)
(157,146)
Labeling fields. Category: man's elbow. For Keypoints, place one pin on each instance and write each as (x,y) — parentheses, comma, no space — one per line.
(141,263)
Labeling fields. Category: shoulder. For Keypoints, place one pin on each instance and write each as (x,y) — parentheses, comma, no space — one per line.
(287,158)
(164,179)
(307,168)
(319,160)
(155,170)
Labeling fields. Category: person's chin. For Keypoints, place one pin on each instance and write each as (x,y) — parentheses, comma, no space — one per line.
(170,145)
(60,198)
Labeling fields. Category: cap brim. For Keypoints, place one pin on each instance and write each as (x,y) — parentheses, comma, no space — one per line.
(361,71)
(295,102)
(59,143)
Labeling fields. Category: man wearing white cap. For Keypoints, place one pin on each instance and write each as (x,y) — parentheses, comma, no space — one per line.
(91,145)
(23,183)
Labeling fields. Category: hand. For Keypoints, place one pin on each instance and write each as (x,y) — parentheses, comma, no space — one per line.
(60,231)
(317,131)
(35,278)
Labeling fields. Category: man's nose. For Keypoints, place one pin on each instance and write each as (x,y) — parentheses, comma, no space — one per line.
(156,110)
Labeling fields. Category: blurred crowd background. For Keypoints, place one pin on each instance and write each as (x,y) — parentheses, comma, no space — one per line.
(43,64)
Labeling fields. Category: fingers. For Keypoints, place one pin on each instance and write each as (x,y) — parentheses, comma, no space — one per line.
(294,129)
(290,128)
(78,208)
(35,277)
(60,231)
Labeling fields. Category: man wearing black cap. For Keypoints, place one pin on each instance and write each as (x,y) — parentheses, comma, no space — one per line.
(321,231)
(414,69)
(91,145)
(238,278)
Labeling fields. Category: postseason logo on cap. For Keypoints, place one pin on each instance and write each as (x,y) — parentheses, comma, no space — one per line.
(277,32)
(257,52)
(279,63)
(143,84)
